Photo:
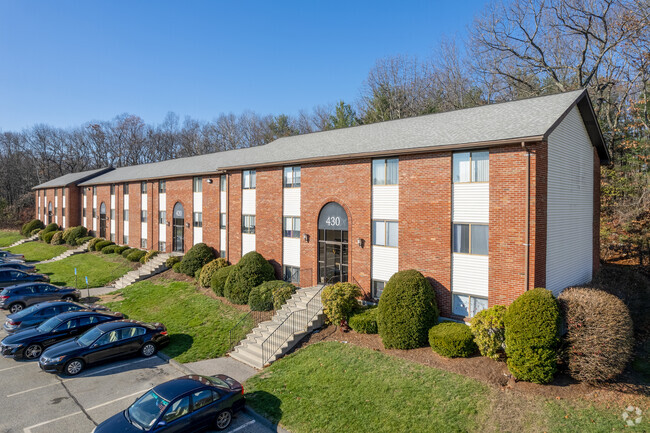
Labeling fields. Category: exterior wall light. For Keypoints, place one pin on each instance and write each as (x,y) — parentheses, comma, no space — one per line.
(187,225)
(167,223)
(360,242)
(209,180)
(305,237)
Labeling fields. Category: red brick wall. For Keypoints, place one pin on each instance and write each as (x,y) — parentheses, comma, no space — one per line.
(425,221)
(234,217)
(596,247)
(73,206)
(211,197)
(268,209)
(180,190)
(348,184)
(135,197)
(104,196)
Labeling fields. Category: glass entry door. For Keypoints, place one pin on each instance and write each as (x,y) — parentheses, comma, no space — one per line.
(332,244)
(102,221)
(178,229)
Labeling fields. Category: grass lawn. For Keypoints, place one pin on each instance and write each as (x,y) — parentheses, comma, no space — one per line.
(335,387)
(37,251)
(100,269)
(198,325)
(8,237)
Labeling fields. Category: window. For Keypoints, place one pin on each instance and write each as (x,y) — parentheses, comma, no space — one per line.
(177,409)
(55,208)
(94,212)
(471,167)
(468,305)
(125,214)
(222,220)
(94,190)
(162,186)
(126,188)
(248,179)
(63,192)
(55,191)
(83,212)
(112,237)
(292,227)
(88,320)
(113,189)
(385,233)
(248,224)
(162,217)
(112,214)
(377,288)
(143,243)
(143,216)
(291,274)
(224,183)
(125,239)
(471,239)
(385,171)
(143,187)
(198,219)
(201,399)
(291,177)
(222,253)
(162,246)
(197,184)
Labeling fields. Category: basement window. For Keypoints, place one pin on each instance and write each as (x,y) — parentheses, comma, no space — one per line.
(468,305)
(143,216)
(143,243)
(125,239)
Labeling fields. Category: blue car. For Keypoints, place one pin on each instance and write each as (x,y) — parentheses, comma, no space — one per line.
(8,256)
(19,266)
(39,313)
(187,404)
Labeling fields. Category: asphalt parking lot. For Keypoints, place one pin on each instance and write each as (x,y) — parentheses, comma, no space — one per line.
(33,401)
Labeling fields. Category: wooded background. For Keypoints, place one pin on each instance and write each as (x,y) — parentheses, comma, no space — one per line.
(513,49)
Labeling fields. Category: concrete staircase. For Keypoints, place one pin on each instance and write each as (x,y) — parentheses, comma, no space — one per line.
(22,241)
(274,338)
(149,269)
(80,249)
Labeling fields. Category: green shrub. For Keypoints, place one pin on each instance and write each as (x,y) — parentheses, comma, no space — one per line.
(126,252)
(218,282)
(84,239)
(101,244)
(172,261)
(282,293)
(340,301)
(150,255)
(48,229)
(207,271)
(109,249)
(261,297)
(365,322)
(35,232)
(452,340)
(135,255)
(29,227)
(47,237)
(251,271)
(177,267)
(600,334)
(196,258)
(91,245)
(57,238)
(142,259)
(120,250)
(489,331)
(74,234)
(407,310)
(532,325)
(66,233)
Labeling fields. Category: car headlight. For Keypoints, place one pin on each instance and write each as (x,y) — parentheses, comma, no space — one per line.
(52,360)
(12,346)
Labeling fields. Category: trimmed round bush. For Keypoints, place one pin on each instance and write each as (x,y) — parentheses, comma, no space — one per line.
(261,297)
(170,262)
(29,227)
(47,237)
(207,271)
(66,233)
(91,245)
(452,340)
(365,322)
(218,283)
(74,234)
(83,240)
(135,255)
(57,238)
(121,249)
(532,326)
(101,244)
(109,249)
(126,252)
(197,257)
(282,293)
(600,334)
(48,229)
(489,331)
(340,302)
(150,255)
(142,260)
(407,310)
(177,267)
(35,232)
(251,271)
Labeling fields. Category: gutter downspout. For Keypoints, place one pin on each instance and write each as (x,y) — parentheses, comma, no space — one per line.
(527,234)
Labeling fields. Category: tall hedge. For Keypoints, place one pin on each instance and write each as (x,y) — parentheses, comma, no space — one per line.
(218,282)
(532,328)
(199,255)
(251,271)
(207,271)
(407,310)
(30,226)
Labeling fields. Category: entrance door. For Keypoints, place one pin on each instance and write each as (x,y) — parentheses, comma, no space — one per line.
(332,244)
(49,213)
(178,234)
(102,221)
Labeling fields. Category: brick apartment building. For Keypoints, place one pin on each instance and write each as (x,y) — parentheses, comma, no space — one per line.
(486,202)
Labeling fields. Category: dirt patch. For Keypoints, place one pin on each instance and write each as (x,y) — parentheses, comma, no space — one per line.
(110,298)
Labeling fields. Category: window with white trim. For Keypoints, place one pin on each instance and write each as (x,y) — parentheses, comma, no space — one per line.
(162,246)
(112,189)
(291,274)
(291,227)
(143,187)
(197,219)
(125,239)
(377,288)
(467,305)
(223,183)
(112,214)
(143,216)
(248,224)
(197,184)
(125,214)
(162,217)
(471,167)
(248,178)
(162,187)
(222,253)
(125,187)
(143,243)
(385,171)
(292,177)
(222,220)
(385,233)
(471,239)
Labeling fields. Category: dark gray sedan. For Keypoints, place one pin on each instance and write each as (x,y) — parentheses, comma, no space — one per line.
(39,313)
(17,297)
(11,277)
(7,255)
(19,266)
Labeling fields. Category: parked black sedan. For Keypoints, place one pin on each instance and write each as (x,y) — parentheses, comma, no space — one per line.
(8,255)
(11,277)
(39,313)
(15,298)
(19,266)
(104,342)
(30,343)
(189,403)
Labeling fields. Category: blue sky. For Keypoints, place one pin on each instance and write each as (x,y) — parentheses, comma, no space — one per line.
(68,62)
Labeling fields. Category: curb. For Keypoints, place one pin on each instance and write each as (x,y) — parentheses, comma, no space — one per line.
(259,418)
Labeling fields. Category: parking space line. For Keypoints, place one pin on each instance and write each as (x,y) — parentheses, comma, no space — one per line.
(17,366)
(32,389)
(91,372)
(243,426)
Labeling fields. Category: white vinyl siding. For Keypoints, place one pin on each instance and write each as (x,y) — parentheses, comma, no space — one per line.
(198,208)
(385,202)
(384,262)
(248,202)
(223,240)
(471,202)
(94,212)
(162,227)
(56,209)
(112,215)
(470,274)
(291,201)
(247,243)
(291,252)
(85,203)
(569,249)
(223,202)
(143,231)
(385,214)
(198,235)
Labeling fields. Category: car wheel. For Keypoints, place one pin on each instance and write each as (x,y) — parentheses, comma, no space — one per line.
(148,350)
(224,418)
(33,351)
(14,308)
(74,367)
(68,299)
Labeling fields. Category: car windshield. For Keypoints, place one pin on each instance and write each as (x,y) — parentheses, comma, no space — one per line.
(49,324)
(146,410)
(88,337)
